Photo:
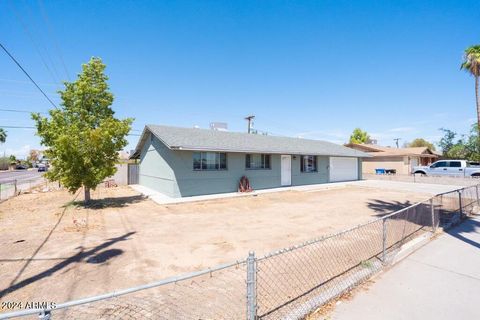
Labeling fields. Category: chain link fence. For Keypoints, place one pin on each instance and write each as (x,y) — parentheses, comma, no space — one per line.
(217,293)
(287,284)
(419,178)
(12,188)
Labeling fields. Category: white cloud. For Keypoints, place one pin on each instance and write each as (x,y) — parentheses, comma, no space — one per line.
(21,152)
(402,129)
(382,135)
(434,138)
(336,135)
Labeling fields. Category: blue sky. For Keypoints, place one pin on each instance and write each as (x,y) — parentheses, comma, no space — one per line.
(315,69)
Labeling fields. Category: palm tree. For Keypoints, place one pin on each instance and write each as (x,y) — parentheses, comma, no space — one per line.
(471,64)
(3,135)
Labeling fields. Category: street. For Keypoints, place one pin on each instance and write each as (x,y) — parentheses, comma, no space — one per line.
(19,175)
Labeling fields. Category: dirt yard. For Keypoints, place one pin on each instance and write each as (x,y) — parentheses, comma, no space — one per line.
(53,249)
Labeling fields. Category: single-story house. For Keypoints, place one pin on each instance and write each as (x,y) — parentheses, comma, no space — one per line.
(183,162)
(399,159)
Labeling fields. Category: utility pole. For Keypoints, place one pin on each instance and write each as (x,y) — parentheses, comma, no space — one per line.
(249,119)
(396,141)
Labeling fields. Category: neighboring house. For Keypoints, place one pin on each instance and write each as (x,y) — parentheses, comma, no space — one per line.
(400,159)
(183,162)
(123,155)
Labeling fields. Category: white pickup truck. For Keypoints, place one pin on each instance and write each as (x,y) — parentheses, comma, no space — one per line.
(449,168)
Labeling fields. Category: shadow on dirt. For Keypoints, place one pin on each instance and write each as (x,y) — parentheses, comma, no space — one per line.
(386,207)
(95,255)
(104,256)
(117,202)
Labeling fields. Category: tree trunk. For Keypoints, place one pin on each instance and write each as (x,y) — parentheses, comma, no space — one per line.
(477,96)
(478,112)
(87,194)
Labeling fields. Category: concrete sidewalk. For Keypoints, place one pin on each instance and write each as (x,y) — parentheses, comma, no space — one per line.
(408,186)
(161,198)
(439,281)
(432,189)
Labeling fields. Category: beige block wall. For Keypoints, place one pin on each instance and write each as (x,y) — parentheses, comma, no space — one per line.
(121,176)
(401,164)
(369,167)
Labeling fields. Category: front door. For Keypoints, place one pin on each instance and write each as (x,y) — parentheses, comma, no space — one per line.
(286,174)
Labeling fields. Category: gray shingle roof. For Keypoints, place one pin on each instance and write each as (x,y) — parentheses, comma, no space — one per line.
(177,138)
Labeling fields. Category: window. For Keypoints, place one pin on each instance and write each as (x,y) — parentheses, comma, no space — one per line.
(209,161)
(439,164)
(257,161)
(308,163)
(455,164)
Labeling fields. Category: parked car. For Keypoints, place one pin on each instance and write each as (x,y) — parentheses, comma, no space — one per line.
(449,168)
(21,167)
(41,167)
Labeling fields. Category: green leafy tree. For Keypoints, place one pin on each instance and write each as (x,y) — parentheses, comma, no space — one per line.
(420,142)
(471,144)
(448,141)
(471,64)
(359,136)
(466,147)
(3,135)
(82,136)
(458,151)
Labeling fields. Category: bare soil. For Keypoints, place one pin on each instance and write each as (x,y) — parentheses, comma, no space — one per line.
(54,249)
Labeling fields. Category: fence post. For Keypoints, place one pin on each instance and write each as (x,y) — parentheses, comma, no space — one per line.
(251,287)
(478,198)
(432,209)
(45,315)
(15,188)
(384,240)
(460,202)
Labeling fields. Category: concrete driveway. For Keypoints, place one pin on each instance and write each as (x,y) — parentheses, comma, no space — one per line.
(439,281)
(406,186)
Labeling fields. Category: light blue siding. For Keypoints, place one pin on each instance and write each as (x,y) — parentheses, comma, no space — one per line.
(360,177)
(171,172)
(193,182)
(155,167)
(301,178)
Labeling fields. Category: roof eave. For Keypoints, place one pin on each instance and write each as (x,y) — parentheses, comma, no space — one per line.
(147,129)
(211,149)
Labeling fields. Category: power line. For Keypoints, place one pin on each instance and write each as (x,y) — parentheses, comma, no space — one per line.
(53,36)
(27,127)
(17,127)
(29,111)
(44,46)
(26,73)
(20,111)
(22,81)
(53,75)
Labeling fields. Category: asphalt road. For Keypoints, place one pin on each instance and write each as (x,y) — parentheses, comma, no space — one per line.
(19,175)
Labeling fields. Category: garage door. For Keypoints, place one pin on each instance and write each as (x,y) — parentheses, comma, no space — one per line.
(343,169)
